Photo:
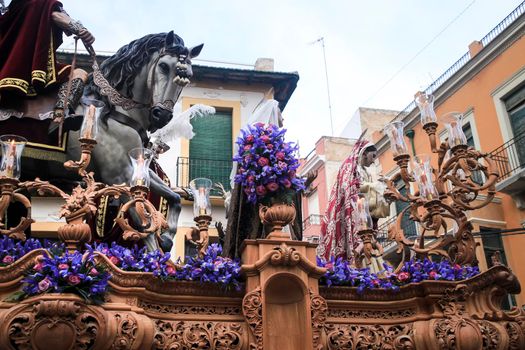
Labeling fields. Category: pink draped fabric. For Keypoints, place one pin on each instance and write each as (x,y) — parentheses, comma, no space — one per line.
(338,237)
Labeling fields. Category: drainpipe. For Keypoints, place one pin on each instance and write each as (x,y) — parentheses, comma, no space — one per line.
(410,134)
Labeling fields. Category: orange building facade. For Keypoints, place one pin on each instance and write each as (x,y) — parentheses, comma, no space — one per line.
(487,85)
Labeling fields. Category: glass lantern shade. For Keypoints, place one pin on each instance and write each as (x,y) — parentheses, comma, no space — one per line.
(422,171)
(361,215)
(92,110)
(200,188)
(425,103)
(12,148)
(395,134)
(140,161)
(453,124)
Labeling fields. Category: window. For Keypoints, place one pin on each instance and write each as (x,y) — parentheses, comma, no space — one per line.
(408,226)
(477,176)
(515,106)
(492,243)
(210,151)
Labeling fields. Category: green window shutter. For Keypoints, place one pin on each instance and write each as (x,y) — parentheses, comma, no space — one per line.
(211,148)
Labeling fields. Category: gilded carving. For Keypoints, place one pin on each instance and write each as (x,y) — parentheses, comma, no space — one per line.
(252,311)
(353,337)
(198,335)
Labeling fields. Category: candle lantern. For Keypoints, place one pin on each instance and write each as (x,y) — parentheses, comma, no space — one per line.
(140,160)
(200,188)
(92,110)
(394,132)
(423,175)
(454,125)
(425,103)
(12,148)
(361,215)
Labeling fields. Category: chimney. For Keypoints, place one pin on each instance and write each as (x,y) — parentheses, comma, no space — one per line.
(264,64)
(474,48)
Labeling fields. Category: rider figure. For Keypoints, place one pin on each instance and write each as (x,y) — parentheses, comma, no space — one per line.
(30,33)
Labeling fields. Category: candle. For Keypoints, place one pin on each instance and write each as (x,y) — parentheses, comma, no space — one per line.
(90,121)
(140,178)
(11,158)
(202,201)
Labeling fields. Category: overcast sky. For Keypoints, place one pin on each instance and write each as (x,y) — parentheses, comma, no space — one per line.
(366,43)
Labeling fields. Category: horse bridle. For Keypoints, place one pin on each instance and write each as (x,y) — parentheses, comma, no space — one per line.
(116,98)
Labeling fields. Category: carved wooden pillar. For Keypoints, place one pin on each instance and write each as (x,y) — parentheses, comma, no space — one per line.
(282,304)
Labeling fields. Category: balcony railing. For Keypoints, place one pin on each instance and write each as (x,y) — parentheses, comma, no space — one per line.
(313,219)
(409,229)
(510,157)
(215,170)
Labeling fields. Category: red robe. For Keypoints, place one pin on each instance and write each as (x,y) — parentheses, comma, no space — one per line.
(28,41)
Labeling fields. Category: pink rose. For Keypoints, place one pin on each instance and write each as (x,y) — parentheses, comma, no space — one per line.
(8,259)
(114,260)
(287,183)
(38,266)
(269,146)
(279,155)
(265,138)
(457,267)
(44,285)
(263,161)
(403,276)
(249,138)
(93,272)
(329,266)
(73,279)
(250,178)
(260,190)
(247,147)
(272,186)
(170,270)
(63,266)
(433,275)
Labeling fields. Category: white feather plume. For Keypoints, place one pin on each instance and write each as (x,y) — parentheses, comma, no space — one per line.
(180,125)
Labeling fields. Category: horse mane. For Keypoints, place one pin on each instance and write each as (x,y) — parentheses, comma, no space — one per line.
(121,69)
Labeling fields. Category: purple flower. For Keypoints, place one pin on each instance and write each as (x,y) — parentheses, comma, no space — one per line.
(63,266)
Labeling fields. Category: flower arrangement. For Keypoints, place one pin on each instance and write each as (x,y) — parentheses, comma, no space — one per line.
(267,164)
(212,268)
(67,273)
(135,259)
(341,273)
(11,250)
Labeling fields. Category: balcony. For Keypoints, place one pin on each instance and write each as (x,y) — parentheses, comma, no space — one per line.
(218,171)
(510,162)
(312,228)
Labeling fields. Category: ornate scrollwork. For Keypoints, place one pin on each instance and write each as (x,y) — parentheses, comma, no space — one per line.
(252,311)
(52,324)
(345,336)
(190,309)
(127,327)
(318,309)
(198,335)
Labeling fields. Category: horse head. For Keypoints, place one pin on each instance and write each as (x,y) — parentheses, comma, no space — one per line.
(149,73)
(169,72)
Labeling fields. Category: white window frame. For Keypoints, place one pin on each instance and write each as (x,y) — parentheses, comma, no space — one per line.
(501,111)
